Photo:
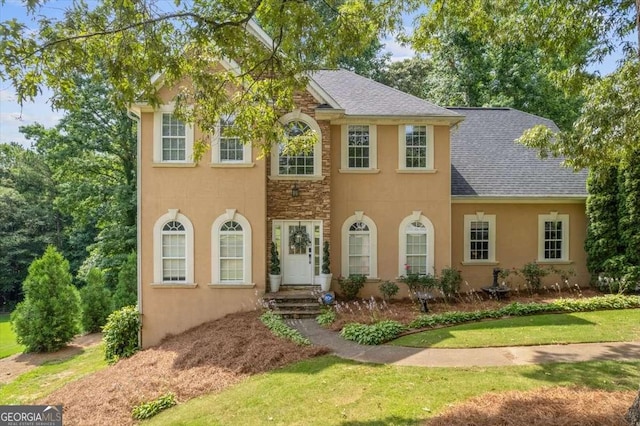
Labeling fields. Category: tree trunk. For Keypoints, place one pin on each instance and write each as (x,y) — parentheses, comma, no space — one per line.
(633,415)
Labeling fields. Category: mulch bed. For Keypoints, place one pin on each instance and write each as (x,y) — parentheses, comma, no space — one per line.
(205,359)
(368,311)
(555,406)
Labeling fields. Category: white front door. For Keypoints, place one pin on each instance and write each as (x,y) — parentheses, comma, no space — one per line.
(298,253)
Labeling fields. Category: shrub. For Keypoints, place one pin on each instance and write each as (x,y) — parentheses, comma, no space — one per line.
(373,334)
(120,334)
(277,326)
(449,282)
(274,266)
(96,302)
(350,287)
(328,316)
(149,409)
(326,259)
(126,293)
(533,274)
(419,283)
(388,289)
(48,317)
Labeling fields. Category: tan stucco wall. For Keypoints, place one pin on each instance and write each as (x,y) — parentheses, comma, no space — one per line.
(201,193)
(517,240)
(388,197)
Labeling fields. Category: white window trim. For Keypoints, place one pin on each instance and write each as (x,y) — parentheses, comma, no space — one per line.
(402,242)
(215,151)
(172,214)
(231,214)
(553,216)
(157,138)
(479,217)
(373,241)
(402,151)
(317,149)
(373,148)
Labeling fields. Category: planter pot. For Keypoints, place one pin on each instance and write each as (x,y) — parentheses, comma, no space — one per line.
(274,282)
(325,282)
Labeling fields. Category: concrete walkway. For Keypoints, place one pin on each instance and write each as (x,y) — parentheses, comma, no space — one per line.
(481,357)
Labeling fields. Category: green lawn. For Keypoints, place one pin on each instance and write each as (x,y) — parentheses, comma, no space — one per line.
(332,391)
(8,345)
(583,327)
(43,380)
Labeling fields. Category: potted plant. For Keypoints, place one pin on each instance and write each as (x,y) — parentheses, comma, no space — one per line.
(325,273)
(274,269)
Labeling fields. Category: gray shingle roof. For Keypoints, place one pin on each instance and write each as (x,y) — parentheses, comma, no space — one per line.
(486,162)
(359,95)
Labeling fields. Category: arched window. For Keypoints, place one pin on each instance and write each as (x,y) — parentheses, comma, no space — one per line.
(359,246)
(304,163)
(173,249)
(231,242)
(416,245)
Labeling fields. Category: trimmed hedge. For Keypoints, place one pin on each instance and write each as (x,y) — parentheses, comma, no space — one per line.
(277,326)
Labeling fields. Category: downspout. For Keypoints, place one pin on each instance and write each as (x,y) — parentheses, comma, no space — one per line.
(135,118)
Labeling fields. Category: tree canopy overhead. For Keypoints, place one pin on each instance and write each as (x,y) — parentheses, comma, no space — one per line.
(130,42)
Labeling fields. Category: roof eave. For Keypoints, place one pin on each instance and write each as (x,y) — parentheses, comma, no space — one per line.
(519,199)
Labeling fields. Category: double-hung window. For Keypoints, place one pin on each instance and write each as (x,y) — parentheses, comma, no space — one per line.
(173,138)
(479,238)
(227,149)
(360,246)
(416,245)
(299,163)
(415,144)
(305,160)
(359,147)
(173,250)
(553,237)
(231,252)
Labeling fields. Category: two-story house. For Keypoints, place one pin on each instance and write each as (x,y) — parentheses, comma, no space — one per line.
(393,181)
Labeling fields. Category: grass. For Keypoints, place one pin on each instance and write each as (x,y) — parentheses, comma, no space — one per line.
(331,391)
(44,379)
(8,344)
(583,327)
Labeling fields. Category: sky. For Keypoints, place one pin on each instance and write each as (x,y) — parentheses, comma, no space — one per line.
(12,116)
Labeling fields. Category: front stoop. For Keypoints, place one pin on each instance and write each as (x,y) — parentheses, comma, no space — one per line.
(295,303)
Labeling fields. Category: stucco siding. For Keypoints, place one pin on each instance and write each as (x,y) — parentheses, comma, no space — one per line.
(517,241)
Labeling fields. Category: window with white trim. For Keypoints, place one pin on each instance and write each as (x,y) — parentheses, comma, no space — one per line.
(304,163)
(359,147)
(301,163)
(359,246)
(173,249)
(231,243)
(228,149)
(173,139)
(415,144)
(174,252)
(553,237)
(479,238)
(416,245)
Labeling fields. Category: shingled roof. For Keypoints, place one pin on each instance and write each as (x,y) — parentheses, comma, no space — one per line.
(486,162)
(360,96)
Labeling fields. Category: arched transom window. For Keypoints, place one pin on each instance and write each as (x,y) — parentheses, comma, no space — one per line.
(359,249)
(301,163)
(416,248)
(231,252)
(174,253)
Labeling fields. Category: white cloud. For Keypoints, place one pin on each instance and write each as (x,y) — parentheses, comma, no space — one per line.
(398,51)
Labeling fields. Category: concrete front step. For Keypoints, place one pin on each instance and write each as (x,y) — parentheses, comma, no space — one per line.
(298,303)
(297,314)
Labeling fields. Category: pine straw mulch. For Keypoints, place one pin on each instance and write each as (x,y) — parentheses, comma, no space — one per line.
(205,359)
(556,406)
(368,311)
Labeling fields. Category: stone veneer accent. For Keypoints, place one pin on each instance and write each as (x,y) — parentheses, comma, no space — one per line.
(314,202)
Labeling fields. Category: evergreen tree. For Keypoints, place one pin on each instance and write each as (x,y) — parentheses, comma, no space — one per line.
(630,222)
(602,242)
(48,318)
(96,302)
(126,293)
